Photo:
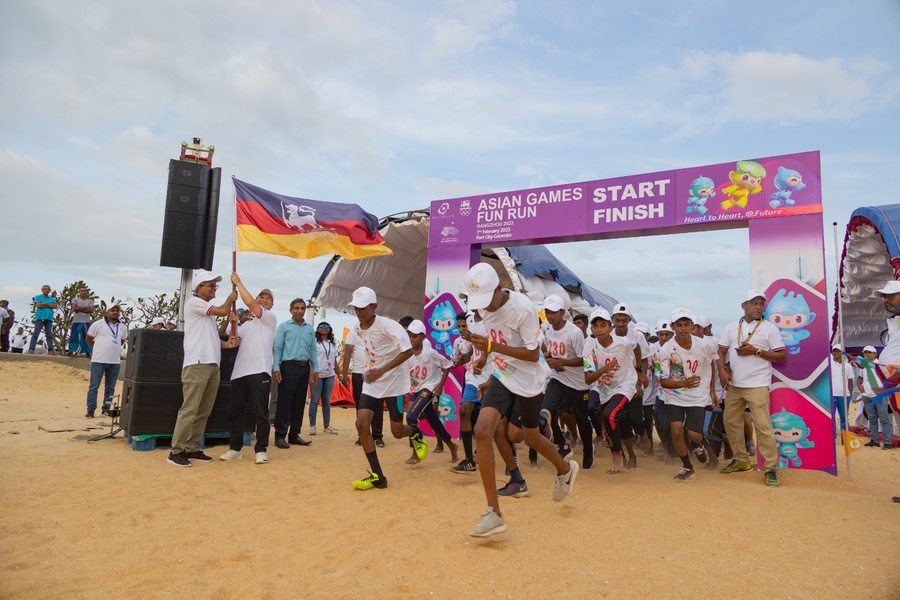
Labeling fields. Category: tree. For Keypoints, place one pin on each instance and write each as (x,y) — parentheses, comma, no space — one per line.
(158,305)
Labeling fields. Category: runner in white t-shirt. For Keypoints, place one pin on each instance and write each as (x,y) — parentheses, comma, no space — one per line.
(566,395)
(251,378)
(660,412)
(386,378)
(428,370)
(686,377)
(513,343)
(470,403)
(634,426)
(355,359)
(609,369)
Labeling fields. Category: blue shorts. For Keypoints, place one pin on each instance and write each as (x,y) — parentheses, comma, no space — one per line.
(470,394)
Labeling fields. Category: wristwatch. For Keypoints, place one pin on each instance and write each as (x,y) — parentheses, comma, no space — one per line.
(759,352)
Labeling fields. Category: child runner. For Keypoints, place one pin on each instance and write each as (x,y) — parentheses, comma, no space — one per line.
(660,413)
(428,370)
(566,395)
(386,379)
(513,341)
(634,425)
(609,367)
(688,384)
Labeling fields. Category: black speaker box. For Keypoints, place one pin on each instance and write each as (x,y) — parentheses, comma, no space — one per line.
(151,408)
(191,217)
(185,199)
(193,174)
(156,355)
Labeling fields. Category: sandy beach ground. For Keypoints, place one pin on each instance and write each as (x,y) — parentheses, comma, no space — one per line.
(97,519)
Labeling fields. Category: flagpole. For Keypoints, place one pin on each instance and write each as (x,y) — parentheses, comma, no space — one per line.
(840,311)
(233,338)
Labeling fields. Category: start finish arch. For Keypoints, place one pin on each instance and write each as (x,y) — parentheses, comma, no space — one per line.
(779,200)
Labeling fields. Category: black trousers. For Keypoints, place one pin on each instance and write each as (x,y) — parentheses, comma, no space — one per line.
(291,400)
(378,415)
(253,389)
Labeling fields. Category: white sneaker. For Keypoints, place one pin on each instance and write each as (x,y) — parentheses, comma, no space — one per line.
(232,455)
(261,458)
(312,430)
(330,430)
(565,483)
(489,524)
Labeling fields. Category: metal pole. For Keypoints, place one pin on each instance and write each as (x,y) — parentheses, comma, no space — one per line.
(840,309)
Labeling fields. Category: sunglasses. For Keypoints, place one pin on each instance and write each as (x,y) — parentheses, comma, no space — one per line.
(324,326)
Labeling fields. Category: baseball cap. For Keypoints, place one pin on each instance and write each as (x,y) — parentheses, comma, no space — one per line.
(553,303)
(681,313)
(702,321)
(266,291)
(754,293)
(600,313)
(480,282)
(202,276)
(363,297)
(158,321)
(416,326)
(642,327)
(892,287)
(621,309)
(836,347)
(870,349)
(663,325)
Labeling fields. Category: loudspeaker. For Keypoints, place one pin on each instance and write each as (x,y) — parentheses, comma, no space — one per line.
(152,392)
(191,218)
(151,408)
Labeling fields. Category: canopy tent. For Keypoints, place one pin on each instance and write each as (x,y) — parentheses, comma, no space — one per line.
(399,279)
(870,258)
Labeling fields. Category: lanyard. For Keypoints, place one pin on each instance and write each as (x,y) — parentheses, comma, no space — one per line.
(326,350)
(741,322)
(115,332)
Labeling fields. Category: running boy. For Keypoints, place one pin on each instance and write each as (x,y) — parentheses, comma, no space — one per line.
(470,403)
(386,379)
(513,341)
(688,385)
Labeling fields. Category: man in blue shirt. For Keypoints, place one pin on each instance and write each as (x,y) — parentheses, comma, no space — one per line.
(44,305)
(294,368)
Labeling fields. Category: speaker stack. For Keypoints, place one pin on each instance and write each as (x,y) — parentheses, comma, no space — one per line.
(192,211)
(152,393)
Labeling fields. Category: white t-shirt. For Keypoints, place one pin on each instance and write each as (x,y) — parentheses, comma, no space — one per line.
(623,381)
(4,314)
(81,317)
(629,341)
(652,391)
(868,389)
(840,374)
(750,371)
(516,324)
(108,338)
(425,369)
(472,378)
(565,343)
(891,353)
(383,341)
(254,355)
(326,355)
(680,363)
(19,340)
(202,345)
(358,356)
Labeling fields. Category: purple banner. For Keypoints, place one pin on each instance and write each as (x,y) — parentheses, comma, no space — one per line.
(736,191)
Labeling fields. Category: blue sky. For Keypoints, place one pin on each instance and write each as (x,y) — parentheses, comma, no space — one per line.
(394,104)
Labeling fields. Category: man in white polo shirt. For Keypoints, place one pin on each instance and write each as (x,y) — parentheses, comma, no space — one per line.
(252,374)
(200,370)
(104,340)
(751,344)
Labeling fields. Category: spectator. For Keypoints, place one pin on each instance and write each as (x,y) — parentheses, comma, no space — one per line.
(44,305)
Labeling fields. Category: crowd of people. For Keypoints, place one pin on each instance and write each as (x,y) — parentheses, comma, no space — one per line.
(597,378)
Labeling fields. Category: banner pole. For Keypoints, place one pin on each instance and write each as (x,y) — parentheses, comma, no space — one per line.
(840,311)
(233,338)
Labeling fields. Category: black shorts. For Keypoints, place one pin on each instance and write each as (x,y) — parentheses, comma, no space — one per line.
(559,398)
(504,401)
(375,405)
(693,417)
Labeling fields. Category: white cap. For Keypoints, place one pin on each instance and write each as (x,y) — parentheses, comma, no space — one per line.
(702,321)
(362,297)
(754,293)
(663,325)
(158,321)
(681,313)
(554,303)
(480,282)
(621,309)
(202,276)
(892,287)
(642,327)
(600,313)
(416,326)
(870,349)
(836,347)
